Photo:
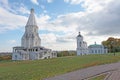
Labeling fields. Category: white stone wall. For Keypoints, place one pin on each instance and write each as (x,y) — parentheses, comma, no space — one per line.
(32,54)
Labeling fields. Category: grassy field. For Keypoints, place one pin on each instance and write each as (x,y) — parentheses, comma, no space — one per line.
(39,69)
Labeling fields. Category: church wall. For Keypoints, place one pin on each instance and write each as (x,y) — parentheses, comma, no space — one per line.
(96,50)
(16,56)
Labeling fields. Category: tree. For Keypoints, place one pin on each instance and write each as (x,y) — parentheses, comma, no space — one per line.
(113,44)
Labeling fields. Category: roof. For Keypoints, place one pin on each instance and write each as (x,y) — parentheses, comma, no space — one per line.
(31,19)
(96,45)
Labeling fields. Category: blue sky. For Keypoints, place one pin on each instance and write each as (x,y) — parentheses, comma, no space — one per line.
(59,21)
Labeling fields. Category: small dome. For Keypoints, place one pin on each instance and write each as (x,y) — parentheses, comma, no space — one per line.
(32,10)
(79,35)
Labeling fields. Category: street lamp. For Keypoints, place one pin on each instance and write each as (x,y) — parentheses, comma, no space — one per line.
(113,47)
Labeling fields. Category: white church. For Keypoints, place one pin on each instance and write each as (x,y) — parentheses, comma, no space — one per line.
(31,48)
(83,49)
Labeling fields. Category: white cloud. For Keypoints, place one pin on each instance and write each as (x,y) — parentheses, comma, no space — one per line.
(4,3)
(57,42)
(12,42)
(22,9)
(90,5)
(95,5)
(73,1)
(49,1)
(10,21)
(35,2)
(42,6)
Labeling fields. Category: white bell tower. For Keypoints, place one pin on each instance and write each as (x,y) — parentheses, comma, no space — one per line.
(79,44)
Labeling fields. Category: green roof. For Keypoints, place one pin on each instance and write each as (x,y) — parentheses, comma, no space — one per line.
(95,45)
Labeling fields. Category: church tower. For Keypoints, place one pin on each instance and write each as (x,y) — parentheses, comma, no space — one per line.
(31,37)
(81,45)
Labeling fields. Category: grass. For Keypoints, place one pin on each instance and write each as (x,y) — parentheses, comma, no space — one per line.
(39,69)
(100,77)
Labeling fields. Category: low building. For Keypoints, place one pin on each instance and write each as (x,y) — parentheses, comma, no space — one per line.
(97,49)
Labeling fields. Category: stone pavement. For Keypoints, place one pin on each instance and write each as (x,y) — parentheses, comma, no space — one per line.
(83,74)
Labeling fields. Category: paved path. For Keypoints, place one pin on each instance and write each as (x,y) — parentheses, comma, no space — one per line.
(114,75)
(90,72)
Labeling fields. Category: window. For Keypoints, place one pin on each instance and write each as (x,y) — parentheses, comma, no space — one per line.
(95,51)
(92,51)
(99,51)
(15,57)
(80,44)
(36,49)
(48,57)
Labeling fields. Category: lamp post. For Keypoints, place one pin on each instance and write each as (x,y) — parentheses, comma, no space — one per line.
(113,47)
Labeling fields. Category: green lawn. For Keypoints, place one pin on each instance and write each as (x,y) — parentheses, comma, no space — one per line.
(39,69)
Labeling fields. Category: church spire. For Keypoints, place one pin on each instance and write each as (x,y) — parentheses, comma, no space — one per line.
(31,20)
(31,37)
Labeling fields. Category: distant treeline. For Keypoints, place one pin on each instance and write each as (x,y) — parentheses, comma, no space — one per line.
(6,57)
(66,53)
(113,44)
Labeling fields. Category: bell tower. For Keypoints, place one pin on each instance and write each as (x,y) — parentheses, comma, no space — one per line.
(79,44)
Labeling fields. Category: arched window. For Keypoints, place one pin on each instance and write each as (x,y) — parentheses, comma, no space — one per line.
(99,51)
(92,51)
(80,44)
(15,57)
(95,51)
(36,49)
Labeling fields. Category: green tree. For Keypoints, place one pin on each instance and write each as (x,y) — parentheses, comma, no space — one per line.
(113,44)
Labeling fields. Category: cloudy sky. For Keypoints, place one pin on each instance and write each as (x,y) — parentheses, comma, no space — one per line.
(59,21)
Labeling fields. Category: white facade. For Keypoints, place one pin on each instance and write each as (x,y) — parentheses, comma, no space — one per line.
(21,53)
(97,49)
(81,45)
(30,44)
(82,48)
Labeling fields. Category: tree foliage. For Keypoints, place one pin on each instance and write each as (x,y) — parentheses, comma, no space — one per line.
(66,53)
(113,44)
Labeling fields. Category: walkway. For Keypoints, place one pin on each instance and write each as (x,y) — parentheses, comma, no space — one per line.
(114,75)
(90,72)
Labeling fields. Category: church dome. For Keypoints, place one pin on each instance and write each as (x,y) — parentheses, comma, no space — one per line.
(79,35)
